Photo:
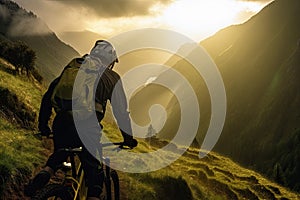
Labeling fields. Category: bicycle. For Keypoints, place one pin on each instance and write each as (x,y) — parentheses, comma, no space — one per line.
(72,183)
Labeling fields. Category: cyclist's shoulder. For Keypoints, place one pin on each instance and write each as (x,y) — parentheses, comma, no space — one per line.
(112,73)
(113,76)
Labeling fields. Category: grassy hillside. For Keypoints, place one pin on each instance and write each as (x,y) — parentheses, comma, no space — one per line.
(20,152)
(213,177)
(20,97)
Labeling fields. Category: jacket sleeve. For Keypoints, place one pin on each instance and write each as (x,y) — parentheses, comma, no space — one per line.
(46,109)
(120,110)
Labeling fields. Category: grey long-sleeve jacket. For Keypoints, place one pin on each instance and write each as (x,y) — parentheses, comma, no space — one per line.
(109,88)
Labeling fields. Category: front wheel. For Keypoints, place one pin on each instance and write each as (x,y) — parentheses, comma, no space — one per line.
(111,190)
(116,183)
(54,191)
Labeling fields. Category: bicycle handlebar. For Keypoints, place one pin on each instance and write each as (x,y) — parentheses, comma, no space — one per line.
(120,145)
(40,136)
(72,150)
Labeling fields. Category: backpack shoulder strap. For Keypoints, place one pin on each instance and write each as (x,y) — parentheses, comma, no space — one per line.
(62,93)
(75,63)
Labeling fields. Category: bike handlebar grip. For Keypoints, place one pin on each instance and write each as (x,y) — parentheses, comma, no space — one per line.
(134,143)
(41,135)
(131,143)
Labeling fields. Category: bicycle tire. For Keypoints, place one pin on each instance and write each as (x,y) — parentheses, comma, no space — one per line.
(111,182)
(107,183)
(53,190)
(116,182)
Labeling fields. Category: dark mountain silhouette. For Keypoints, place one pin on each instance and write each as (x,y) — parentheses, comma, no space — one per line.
(260,65)
(259,62)
(18,24)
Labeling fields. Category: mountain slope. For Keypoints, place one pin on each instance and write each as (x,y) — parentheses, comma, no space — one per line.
(20,151)
(260,59)
(212,177)
(18,24)
(19,100)
(259,63)
(82,41)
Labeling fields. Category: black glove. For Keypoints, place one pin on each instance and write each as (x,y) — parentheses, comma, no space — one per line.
(45,131)
(130,142)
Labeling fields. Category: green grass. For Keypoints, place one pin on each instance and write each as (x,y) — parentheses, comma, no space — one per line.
(18,147)
(20,154)
(213,177)
(20,151)
(28,91)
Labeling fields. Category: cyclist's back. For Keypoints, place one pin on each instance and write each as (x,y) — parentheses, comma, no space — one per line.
(65,133)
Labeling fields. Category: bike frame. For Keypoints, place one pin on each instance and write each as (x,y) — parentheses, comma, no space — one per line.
(74,174)
(74,177)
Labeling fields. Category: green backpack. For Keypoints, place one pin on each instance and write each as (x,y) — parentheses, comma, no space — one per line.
(78,96)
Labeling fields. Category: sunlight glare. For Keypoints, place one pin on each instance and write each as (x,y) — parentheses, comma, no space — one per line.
(193,15)
(196,19)
(202,16)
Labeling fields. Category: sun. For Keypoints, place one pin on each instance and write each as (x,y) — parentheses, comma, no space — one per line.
(196,16)
(197,19)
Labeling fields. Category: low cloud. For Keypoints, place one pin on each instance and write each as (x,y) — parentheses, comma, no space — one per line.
(24,25)
(63,15)
(3,13)
(21,23)
(115,8)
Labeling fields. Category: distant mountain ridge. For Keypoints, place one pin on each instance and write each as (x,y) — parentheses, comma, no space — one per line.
(82,41)
(18,24)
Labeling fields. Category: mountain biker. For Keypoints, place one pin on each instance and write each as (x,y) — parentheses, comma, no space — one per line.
(65,134)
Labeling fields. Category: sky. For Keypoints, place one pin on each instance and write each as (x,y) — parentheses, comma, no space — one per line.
(196,19)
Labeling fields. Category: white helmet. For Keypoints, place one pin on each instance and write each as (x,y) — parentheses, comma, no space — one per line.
(105,52)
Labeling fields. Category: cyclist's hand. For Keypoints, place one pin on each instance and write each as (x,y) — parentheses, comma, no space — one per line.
(46,134)
(130,142)
(45,131)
